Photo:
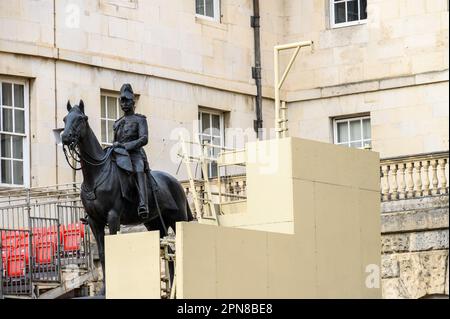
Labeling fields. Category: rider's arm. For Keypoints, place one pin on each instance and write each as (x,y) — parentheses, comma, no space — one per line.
(142,140)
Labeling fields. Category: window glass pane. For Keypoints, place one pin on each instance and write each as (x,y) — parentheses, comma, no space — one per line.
(19,121)
(352,10)
(17,147)
(209,8)
(342,132)
(363,10)
(355,130)
(103,131)
(366,129)
(216,140)
(205,123)
(367,144)
(112,107)
(18,95)
(103,106)
(216,121)
(213,170)
(215,152)
(7,94)
(5,146)
(205,139)
(18,172)
(356,144)
(110,131)
(7,120)
(200,7)
(6,171)
(339,12)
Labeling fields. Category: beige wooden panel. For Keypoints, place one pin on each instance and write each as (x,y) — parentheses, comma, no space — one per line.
(133,266)
(322,197)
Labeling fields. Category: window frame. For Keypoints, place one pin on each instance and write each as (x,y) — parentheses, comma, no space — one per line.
(221,129)
(130,4)
(348,120)
(119,111)
(26,136)
(347,23)
(217,12)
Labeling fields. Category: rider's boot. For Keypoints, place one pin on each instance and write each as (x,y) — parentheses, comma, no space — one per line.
(143,211)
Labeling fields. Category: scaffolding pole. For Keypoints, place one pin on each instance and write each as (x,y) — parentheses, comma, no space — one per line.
(281,127)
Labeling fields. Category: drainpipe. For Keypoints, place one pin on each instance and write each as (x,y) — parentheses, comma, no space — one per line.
(256,70)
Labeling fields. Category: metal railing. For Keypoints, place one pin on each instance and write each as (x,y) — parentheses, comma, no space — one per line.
(16,255)
(39,238)
(38,195)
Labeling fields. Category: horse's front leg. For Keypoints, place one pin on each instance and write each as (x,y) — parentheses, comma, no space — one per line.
(113,222)
(99,234)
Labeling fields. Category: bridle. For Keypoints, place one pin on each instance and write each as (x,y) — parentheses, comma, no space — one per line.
(73,150)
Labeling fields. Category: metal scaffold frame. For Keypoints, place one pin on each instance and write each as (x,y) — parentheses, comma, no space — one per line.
(281,126)
(206,197)
(202,159)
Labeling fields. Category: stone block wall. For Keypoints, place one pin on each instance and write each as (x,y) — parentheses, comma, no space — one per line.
(405,120)
(399,38)
(414,245)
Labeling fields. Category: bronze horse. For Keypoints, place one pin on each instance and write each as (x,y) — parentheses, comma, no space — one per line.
(102,191)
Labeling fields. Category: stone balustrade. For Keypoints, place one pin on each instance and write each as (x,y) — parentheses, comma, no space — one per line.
(414,176)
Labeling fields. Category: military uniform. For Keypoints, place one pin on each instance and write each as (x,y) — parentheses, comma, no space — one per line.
(132,132)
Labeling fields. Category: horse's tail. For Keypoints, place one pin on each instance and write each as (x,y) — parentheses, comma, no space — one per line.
(190,217)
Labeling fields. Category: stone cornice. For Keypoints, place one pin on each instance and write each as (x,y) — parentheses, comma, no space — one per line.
(132,66)
(139,67)
(368,86)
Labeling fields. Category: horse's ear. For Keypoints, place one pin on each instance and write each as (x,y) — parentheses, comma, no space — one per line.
(69,107)
(81,106)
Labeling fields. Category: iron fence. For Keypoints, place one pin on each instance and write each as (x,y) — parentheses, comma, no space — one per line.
(38,240)
(15,248)
(75,239)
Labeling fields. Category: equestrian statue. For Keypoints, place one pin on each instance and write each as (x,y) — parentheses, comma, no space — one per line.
(118,186)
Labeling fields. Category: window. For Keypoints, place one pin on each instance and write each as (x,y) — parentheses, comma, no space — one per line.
(13,128)
(347,12)
(353,132)
(110,112)
(208,9)
(211,131)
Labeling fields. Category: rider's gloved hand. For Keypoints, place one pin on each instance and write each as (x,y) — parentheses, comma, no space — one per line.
(117,144)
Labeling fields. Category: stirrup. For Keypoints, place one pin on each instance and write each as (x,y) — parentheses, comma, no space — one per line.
(143,212)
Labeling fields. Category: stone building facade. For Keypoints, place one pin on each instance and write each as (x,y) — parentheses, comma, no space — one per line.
(375,77)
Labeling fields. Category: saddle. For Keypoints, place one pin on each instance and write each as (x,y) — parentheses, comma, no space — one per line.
(121,165)
(122,159)
(127,181)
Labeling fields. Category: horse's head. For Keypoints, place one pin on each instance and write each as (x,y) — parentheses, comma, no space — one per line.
(75,124)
